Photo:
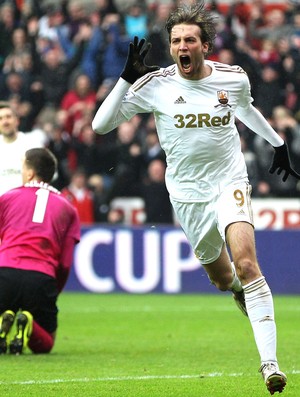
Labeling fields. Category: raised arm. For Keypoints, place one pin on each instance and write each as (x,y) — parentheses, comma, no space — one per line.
(109,114)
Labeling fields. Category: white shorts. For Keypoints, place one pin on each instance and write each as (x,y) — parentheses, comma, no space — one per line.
(205,223)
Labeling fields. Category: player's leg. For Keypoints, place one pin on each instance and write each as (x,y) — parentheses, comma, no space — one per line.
(9,304)
(241,242)
(41,341)
(36,322)
(198,221)
(258,300)
(221,272)
(223,275)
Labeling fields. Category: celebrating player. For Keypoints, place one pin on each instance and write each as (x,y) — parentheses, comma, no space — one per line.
(38,232)
(195,102)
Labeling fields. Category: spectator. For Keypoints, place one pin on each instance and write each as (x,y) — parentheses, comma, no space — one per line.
(75,13)
(115,49)
(292,7)
(158,37)
(20,47)
(13,145)
(78,103)
(97,184)
(252,166)
(136,21)
(52,24)
(269,93)
(105,7)
(128,161)
(60,145)
(295,31)
(284,121)
(44,227)
(224,35)
(237,19)
(152,149)
(288,129)
(156,197)
(87,152)
(80,196)
(289,70)
(13,85)
(91,30)
(27,97)
(7,25)
(52,67)
(272,25)
(268,53)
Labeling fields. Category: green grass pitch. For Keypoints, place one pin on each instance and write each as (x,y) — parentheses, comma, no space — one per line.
(154,346)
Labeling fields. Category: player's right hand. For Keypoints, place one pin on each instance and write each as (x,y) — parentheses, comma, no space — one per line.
(135,66)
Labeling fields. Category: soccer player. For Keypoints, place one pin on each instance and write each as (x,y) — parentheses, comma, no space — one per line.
(195,102)
(13,145)
(38,231)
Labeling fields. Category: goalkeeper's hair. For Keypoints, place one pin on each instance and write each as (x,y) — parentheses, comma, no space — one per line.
(43,162)
(195,14)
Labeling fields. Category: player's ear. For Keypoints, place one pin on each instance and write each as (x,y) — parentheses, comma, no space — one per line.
(30,174)
(205,48)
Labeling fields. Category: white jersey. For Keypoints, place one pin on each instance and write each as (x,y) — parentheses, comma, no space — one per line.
(11,155)
(195,121)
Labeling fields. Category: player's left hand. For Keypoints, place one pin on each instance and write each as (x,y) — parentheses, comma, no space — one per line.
(135,66)
(281,162)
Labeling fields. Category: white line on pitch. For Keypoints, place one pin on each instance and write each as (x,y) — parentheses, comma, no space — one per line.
(126,378)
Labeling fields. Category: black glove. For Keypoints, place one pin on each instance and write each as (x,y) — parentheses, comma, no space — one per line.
(135,66)
(281,160)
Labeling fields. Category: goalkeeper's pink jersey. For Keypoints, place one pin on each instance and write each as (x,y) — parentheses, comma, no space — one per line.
(38,229)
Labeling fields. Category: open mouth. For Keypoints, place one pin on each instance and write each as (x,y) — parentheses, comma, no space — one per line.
(185,62)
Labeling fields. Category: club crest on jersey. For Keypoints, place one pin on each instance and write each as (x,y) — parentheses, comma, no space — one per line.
(223,98)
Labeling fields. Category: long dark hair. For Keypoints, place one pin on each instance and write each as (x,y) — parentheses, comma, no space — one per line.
(195,14)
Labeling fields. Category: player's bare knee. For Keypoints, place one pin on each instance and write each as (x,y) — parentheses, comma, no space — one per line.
(247,270)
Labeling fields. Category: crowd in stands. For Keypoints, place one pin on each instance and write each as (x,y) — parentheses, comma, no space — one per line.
(59,60)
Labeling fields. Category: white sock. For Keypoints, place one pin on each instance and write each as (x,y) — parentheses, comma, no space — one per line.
(236,284)
(259,304)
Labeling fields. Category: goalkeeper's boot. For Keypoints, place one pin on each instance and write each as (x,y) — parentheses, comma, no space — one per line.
(6,322)
(24,329)
(275,380)
(239,298)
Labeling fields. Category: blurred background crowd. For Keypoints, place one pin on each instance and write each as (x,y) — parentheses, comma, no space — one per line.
(59,60)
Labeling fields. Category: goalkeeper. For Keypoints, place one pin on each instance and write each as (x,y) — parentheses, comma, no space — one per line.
(38,230)
(195,102)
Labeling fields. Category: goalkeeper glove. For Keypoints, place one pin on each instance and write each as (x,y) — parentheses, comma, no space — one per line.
(135,65)
(281,160)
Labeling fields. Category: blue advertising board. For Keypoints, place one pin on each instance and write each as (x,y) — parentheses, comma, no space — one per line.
(139,259)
